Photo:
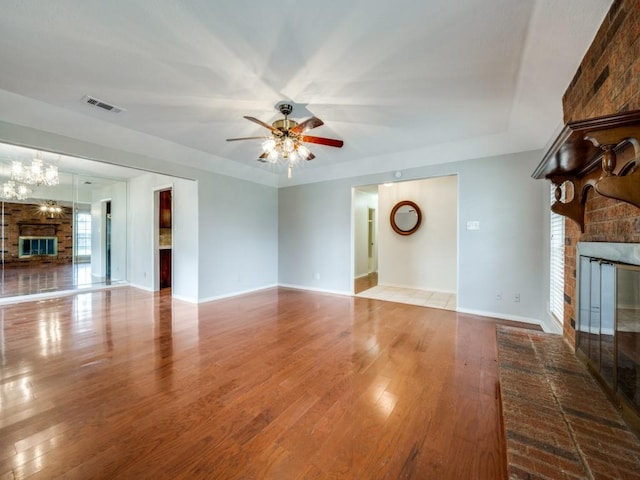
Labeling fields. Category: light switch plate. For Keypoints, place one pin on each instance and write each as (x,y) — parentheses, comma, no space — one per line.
(473,225)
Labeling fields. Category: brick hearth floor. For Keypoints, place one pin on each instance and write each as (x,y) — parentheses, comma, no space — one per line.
(558,423)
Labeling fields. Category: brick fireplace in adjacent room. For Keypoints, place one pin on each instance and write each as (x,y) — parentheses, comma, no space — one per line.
(24,220)
(607,82)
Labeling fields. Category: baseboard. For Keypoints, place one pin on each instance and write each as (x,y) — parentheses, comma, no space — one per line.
(185,299)
(515,318)
(312,289)
(142,287)
(235,294)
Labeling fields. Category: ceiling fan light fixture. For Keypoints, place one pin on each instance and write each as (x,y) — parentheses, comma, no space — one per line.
(287,136)
(273,156)
(268,145)
(303,151)
(288,145)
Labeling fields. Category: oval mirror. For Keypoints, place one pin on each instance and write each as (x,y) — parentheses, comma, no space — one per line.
(405,217)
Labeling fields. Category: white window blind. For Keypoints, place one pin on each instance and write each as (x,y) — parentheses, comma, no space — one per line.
(556,281)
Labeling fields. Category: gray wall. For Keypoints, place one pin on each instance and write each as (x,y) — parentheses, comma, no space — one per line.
(238,236)
(507,256)
(315,240)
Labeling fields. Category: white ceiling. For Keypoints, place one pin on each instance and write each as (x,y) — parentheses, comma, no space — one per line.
(403,83)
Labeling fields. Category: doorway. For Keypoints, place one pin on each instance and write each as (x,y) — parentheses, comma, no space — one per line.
(365,218)
(420,268)
(107,240)
(164,216)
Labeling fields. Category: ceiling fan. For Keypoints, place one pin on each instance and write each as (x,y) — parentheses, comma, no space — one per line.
(287,138)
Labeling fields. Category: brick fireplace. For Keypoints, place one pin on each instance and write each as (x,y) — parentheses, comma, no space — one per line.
(23,220)
(607,82)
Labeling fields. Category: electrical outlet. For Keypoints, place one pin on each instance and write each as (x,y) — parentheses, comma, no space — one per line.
(516,297)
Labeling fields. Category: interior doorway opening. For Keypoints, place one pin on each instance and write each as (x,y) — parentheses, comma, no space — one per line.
(107,240)
(419,268)
(163,224)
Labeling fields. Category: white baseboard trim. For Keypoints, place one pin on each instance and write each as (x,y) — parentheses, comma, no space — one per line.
(142,287)
(185,299)
(515,318)
(235,294)
(312,289)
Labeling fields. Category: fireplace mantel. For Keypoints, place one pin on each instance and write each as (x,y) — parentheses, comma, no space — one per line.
(612,143)
(38,229)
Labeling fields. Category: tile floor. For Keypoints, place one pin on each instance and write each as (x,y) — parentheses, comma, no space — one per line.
(424,298)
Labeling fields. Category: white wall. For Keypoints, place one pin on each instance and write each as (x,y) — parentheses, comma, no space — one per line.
(238,236)
(142,218)
(224,235)
(362,202)
(427,259)
(507,254)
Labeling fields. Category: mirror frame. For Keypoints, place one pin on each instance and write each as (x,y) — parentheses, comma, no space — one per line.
(393,215)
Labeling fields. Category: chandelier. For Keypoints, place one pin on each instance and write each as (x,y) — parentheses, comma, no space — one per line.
(287,148)
(14,191)
(50,209)
(38,173)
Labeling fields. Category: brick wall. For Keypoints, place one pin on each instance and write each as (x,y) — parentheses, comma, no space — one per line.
(25,216)
(607,82)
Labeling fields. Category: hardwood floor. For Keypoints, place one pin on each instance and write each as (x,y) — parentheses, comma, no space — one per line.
(361,284)
(281,384)
(18,281)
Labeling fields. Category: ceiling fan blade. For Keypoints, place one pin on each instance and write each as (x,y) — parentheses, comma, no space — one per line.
(265,125)
(311,156)
(323,141)
(308,124)
(244,138)
(263,158)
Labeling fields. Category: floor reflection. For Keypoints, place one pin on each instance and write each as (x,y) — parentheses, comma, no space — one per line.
(17,281)
(164,341)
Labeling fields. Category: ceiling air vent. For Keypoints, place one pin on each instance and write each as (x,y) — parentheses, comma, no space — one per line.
(100,104)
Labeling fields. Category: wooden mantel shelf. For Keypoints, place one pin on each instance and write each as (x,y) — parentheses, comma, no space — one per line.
(612,143)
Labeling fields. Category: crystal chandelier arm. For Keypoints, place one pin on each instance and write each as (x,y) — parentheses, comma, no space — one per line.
(38,173)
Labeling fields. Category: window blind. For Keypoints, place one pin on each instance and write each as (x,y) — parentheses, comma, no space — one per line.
(556,281)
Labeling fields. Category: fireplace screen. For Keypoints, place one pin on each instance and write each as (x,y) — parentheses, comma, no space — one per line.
(608,332)
(628,333)
(31,246)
